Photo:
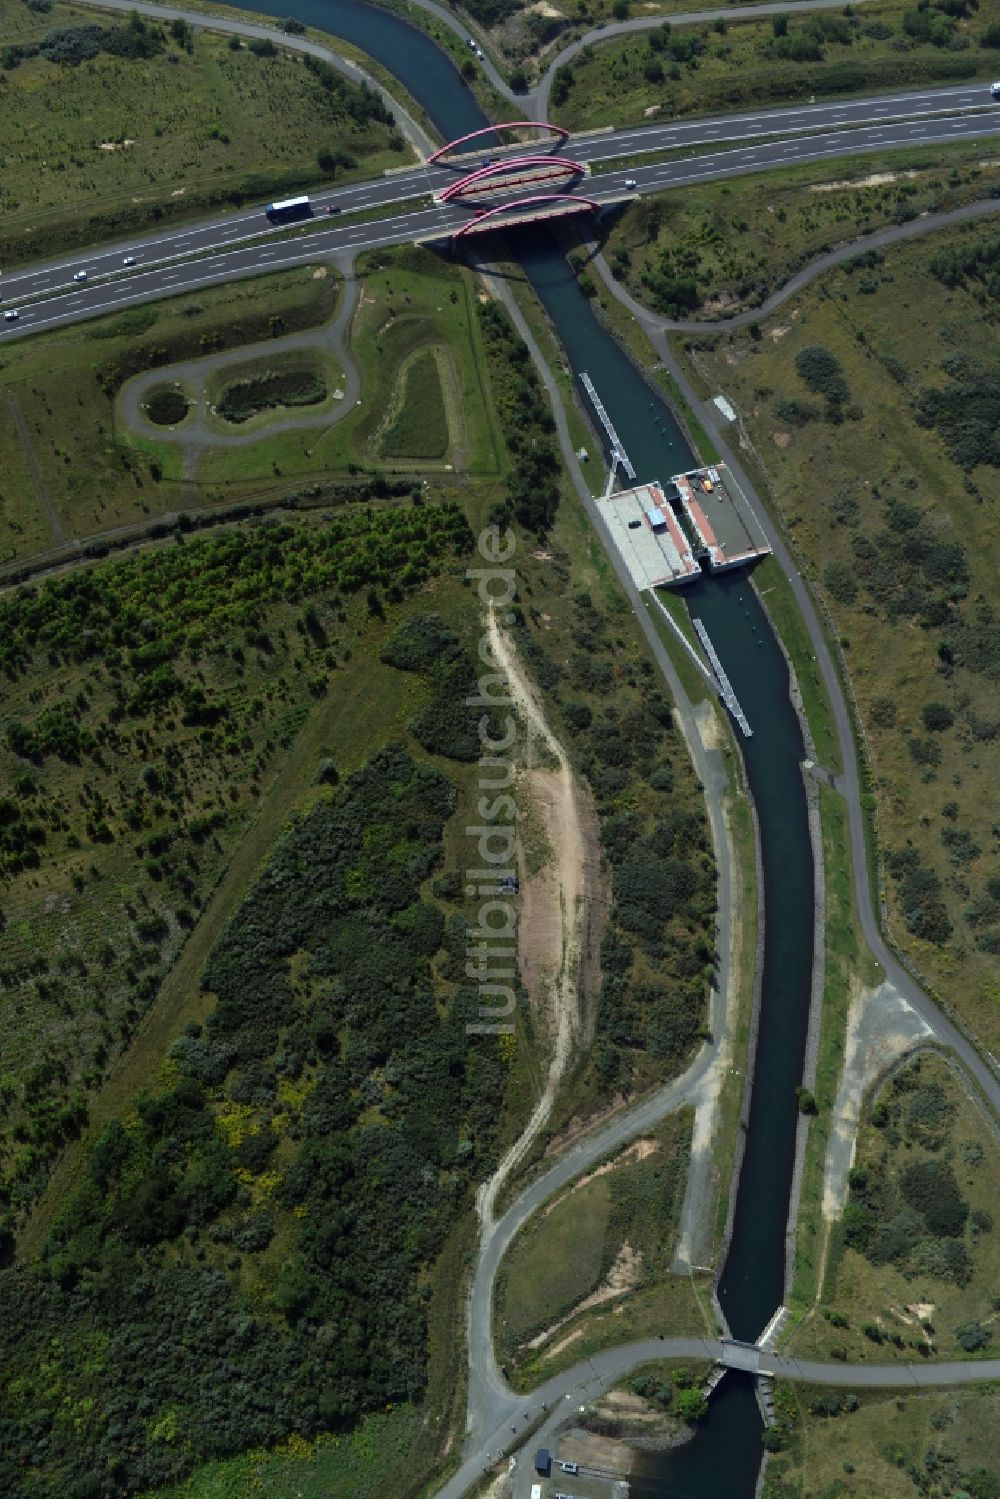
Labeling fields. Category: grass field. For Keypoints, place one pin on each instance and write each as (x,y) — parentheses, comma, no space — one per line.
(71,473)
(894,1445)
(711,249)
(847,964)
(897,538)
(357,1466)
(411,303)
(702,69)
(420,427)
(928,1119)
(614,1230)
(115,143)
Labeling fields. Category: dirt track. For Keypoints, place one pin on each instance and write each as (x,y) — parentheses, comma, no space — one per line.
(551,906)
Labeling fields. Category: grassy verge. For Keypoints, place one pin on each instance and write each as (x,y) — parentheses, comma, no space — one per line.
(739,820)
(542,331)
(889,519)
(712,249)
(611,1233)
(887,1443)
(779,600)
(117,143)
(692,681)
(72,473)
(411,303)
(702,69)
(847,965)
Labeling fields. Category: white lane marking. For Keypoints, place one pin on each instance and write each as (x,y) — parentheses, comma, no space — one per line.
(417,222)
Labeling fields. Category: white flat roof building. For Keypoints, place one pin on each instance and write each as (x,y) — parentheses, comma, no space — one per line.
(649,537)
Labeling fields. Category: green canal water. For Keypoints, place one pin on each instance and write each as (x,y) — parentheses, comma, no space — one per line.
(723,1459)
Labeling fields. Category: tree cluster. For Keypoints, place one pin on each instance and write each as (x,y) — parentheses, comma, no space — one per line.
(528,425)
(909,1210)
(245,398)
(445,724)
(136,39)
(357,102)
(149,610)
(335,1098)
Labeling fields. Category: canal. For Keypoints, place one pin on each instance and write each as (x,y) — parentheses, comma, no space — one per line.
(723,1459)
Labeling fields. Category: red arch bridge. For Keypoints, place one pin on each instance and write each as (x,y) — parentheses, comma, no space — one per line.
(526,211)
(515,173)
(445,153)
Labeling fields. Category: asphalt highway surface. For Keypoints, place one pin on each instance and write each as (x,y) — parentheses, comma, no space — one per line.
(243,243)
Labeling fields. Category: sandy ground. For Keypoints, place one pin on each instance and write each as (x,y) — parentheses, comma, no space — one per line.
(551,906)
(592,1451)
(881,1026)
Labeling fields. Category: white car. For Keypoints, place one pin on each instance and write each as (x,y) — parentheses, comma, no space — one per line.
(11,315)
(80,275)
(631,184)
(129,260)
(995,90)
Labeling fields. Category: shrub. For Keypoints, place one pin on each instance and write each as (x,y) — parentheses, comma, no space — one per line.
(821,372)
(932,1189)
(166,406)
(793,412)
(840,581)
(972,1336)
(692,1406)
(937,717)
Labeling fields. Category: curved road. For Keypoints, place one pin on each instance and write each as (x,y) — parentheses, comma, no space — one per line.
(195,431)
(497,1417)
(413,132)
(148,283)
(985,1070)
(928,224)
(535,101)
(583,1383)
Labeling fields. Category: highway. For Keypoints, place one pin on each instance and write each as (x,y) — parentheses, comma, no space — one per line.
(243,243)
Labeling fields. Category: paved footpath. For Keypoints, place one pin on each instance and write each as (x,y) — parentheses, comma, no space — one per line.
(196,434)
